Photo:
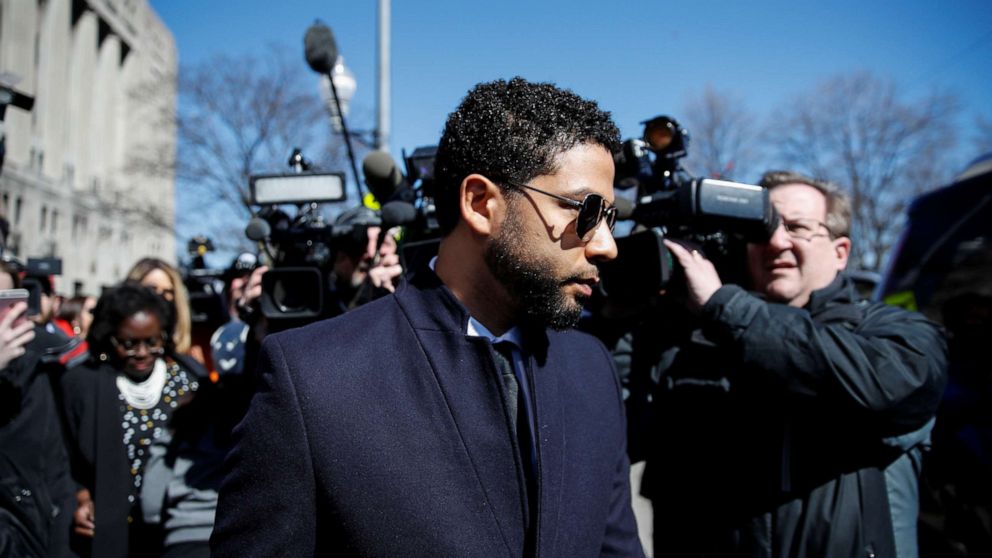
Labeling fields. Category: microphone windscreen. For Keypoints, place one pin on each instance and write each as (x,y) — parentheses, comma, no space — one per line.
(382,175)
(396,213)
(625,208)
(320,49)
(258,229)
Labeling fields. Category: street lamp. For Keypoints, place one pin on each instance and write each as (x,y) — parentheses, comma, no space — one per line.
(344,82)
(322,56)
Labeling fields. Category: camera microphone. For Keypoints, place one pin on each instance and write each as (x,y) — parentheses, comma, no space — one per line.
(258,229)
(320,48)
(394,214)
(625,208)
(383,176)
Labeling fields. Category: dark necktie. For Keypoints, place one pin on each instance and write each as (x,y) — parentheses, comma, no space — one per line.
(517,405)
(503,352)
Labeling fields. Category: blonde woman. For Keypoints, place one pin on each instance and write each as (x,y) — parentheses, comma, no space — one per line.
(165,280)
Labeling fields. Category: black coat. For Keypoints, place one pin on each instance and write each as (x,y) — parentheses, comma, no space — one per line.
(37,496)
(775,423)
(383,433)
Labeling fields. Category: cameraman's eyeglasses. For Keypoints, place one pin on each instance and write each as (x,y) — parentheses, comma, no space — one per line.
(805,229)
(154,345)
(592,210)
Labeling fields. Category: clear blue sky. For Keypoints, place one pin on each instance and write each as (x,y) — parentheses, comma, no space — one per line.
(638,58)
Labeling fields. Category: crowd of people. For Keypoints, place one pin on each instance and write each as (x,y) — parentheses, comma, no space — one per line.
(454,409)
(118,411)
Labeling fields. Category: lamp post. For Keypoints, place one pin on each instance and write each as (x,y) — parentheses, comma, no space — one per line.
(344,82)
(322,55)
(382,132)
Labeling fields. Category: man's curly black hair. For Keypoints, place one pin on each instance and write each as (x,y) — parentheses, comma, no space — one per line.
(513,131)
(121,302)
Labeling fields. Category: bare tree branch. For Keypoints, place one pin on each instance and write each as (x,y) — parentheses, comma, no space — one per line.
(725,138)
(856,130)
(239,116)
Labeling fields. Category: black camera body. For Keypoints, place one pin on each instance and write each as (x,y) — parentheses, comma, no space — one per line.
(716,217)
(302,253)
(410,195)
(301,248)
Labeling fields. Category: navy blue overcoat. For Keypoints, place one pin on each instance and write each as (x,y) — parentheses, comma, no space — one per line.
(383,432)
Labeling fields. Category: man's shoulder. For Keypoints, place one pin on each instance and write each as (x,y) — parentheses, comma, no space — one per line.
(581,354)
(577,341)
(84,377)
(360,322)
(882,314)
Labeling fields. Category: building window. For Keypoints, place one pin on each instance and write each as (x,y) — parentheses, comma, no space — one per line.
(18,206)
(55,221)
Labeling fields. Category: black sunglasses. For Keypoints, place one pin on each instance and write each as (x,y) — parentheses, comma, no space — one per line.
(592,210)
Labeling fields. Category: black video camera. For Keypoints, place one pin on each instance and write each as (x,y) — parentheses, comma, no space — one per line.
(407,200)
(717,217)
(301,247)
(207,307)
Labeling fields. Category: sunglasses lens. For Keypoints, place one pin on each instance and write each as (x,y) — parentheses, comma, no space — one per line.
(589,216)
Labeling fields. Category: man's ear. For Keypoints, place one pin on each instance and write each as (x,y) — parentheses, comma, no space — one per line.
(842,249)
(481,203)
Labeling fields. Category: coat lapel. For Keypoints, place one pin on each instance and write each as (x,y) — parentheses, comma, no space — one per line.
(550,444)
(467,376)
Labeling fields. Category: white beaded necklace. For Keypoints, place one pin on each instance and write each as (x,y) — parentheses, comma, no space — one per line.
(143,395)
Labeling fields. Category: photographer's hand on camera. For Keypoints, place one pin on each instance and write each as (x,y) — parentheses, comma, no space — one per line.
(248,303)
(386,272)
(701,277)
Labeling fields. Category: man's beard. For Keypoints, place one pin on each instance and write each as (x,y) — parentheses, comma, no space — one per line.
(530,282)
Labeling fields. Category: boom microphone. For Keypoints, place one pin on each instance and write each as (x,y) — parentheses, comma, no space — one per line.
(320,48)
(382,176)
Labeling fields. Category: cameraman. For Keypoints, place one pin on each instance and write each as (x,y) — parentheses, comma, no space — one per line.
(791,422)
(365,266)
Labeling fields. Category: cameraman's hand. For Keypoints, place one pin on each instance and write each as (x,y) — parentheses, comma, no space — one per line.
(384,274)
(253,289)
(701,277)
(14,337)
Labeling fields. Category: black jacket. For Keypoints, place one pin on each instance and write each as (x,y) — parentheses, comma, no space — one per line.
(37,496)
(775,424)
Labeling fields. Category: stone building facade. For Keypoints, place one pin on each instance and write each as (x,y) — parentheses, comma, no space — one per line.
(102,73)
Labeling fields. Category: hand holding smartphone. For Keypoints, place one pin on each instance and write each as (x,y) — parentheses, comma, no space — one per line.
(15,330)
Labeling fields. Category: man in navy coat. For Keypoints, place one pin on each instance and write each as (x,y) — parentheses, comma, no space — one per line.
(409,427)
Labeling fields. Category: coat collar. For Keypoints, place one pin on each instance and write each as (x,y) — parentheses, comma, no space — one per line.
(840,291)
(430,305)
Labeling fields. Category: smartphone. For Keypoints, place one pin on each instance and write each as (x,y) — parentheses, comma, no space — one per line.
(10,297)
